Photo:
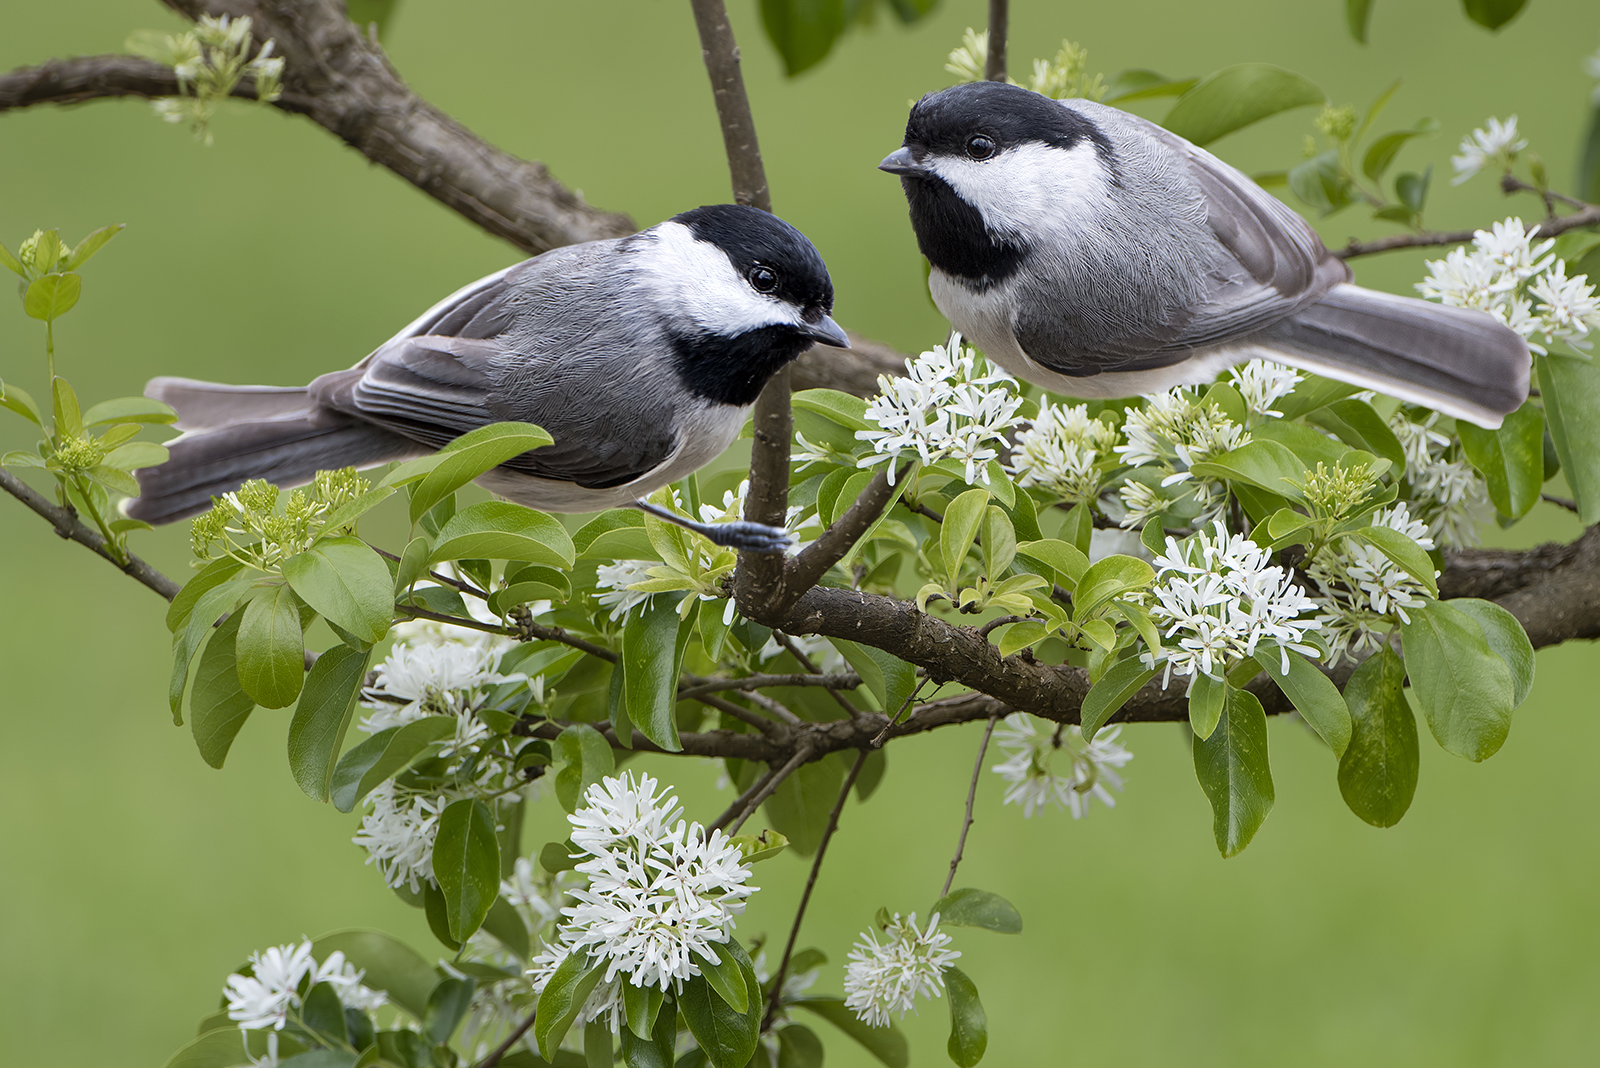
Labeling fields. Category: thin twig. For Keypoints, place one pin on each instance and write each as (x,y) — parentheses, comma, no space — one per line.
(505,1047)
(811,882)
(996,624)
(744,715)
(444,580)
(1560,502)
(69,526)
(972,794)
(877,741)
(721,54)
(999,26)
(768,788)
(806,662)
(743,799)
(775,707)
(696,685)
(921,509)
(1589,216)
(807,569)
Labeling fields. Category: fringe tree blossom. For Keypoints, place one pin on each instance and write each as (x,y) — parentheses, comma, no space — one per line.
(265,998)
(398,833)
(1171,432)
(1216,595)
(1262,384)
(950,404)
(1448,495)
(1497,145)
(1360,591)
(440,678)
(1059,450)
(887,976)
(1033,756)
(617,580)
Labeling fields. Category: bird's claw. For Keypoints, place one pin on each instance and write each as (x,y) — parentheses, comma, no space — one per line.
(751,537)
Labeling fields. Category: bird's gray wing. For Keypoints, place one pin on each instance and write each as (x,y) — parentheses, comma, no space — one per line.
(528,344)
(1268,264)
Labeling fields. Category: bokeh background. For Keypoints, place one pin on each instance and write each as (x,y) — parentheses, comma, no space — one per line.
(133,878)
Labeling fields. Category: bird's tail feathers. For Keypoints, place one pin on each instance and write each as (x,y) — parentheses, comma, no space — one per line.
(208,405)
(1464,363)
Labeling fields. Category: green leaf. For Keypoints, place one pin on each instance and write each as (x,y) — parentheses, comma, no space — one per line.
(1311,393)
(1359,425)
(1357,14)
(323,1015)
(960,527)
(588,759)
(1237,96)
(651,661)
(135,455)
(346,514)
(129,410)
(391,966)
(642,1004)
(1464,688)
(559,856)
(1507,638)
(205,580)
(499,530)
(844,409)
(323,715)
(11,263)
(889,679)
(383,755)
(1314,695)
(222,1047)
(799,1047)
(1068,562)
(18,400)
(68,420)
(1139,84)
(1321,183)
(51,297)
(1589,166)
(1406,554)
(1385,148)
(1078,528)
(1263,464)
(447,1004)
(1233,771)
(346,582)
(654,1050)
(887,1044)
(1115,688)
(728,1037)
(113,479)
(271,647)
(1021,635)
(1378,772)
(197,621)
(800,807)
(562,999)
(969,1026)
(1412,189)
(1207,698)
(217,706)
(767,844)
(505,923)
(1109,577)
(472,454)
(999,543)
(1569,386)
(1492,14)
(803,31)
(90,245)
(726,980)
(597,1051)
(969,907)
(1510,458)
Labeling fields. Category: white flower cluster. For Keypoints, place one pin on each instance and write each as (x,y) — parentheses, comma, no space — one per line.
(271,992)
(1497,145)
(1031,756)
(1361,592)
(1449,496)
(658,895)
(887,976)
(1059,450)
(1263,384)
(1172,432)
(617,580)
(1518,282)
(946,406)
(1218,597)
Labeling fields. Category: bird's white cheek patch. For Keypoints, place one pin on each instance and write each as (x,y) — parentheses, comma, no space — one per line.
(1031,187)
(695,279)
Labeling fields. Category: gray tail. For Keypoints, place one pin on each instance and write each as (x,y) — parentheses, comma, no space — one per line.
(236,433)
(1460,362)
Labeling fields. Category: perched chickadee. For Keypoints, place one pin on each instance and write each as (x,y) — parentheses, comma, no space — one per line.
(1095,254)
(640,355)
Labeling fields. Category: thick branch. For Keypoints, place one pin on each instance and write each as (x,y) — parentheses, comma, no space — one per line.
(721,54)
(69,526)
(999,28)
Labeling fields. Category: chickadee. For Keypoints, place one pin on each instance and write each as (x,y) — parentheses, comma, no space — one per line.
(640,355)
(1095,254)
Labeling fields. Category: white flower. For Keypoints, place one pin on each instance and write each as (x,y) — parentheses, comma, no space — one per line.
(1216,595)
(1449,496)
(433,678)
(946,406)
(887,976)
(1173,431)
(522,890)
(1498,144)
(1361,592)
(1032,766)
(659,892)
(265,998)
(398,834)
(1568,306)
(1059,450)
(617,580)
(1262,384)
(345,978)
(819,650)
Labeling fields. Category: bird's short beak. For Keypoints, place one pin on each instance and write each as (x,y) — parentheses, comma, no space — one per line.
(829,332)
(903,161)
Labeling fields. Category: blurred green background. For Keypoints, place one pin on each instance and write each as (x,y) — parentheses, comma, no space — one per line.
(133,878)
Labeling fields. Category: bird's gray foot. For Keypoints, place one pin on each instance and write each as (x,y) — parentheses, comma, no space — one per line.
(741,535)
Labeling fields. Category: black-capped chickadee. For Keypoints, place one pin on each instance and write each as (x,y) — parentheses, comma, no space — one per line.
(640,355)
(1095,254)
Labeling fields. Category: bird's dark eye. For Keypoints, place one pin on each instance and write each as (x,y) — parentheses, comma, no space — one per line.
(980,146)
(763,279)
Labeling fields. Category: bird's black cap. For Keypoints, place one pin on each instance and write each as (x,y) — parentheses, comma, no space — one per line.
(1010,115)
(751,236)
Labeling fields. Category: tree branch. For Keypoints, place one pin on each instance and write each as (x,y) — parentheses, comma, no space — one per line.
(69,526)
(972,796)
(999,27)
(1589,216)
(807,569)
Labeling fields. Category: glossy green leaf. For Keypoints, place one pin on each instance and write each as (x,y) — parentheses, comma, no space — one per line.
(1359,425)
(1492,14)
(323,715)
(1106,578)
(597,1046)
(641,1006)
(1412,189)
(1320,182)
(219,593)
(499,530)
(129,410)
(970,907)
(1115,688)
(563,997)
(1383,151)
(271,647)
(1207,698)
(86,248)
(1138,84)
(1017,636)
(890,680)
(959,529)
(385,754)
(323,1016)
(1378,772)
(1313,694)
(803,31)
(1065,559)
(1569,386)
(845,409)
(656,1049)
(1463,686)
(1236,97)
(1507,638)
(769,843)
(69,420)
(1264,464)
(1406,554)
(471,455)
(969,1026)
(1078,528)
(587,758)
(1309,445)
(1511,458)
(727,1036)
(887,1044)
(204,581)
(1233,771)
(346,582)
(651,663)
(1311,393)
(218,706)
(51,297)
(1357,14)
(799,1047)
(20,401)
(447,1004)
(726,980)
(135,455)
